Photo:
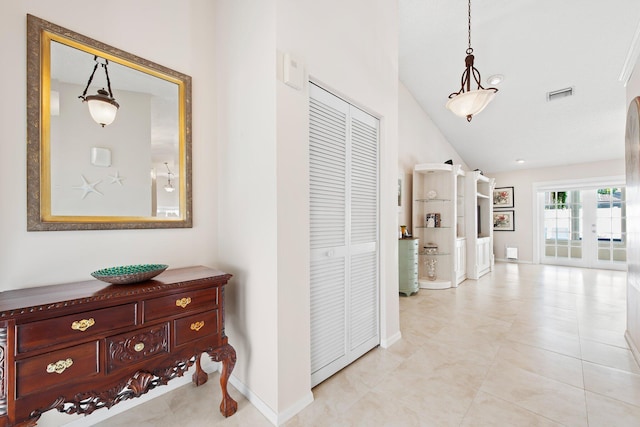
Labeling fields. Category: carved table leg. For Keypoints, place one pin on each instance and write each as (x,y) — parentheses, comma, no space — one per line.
(227,355)
(199,377)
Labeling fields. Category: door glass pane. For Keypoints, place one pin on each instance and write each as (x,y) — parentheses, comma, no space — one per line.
(610,224)
(562,252)
(604,254)
(619,255)
(563,224)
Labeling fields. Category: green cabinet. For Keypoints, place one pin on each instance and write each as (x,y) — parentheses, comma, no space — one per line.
(408,266)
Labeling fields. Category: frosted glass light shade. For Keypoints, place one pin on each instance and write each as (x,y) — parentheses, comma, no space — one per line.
(102,108)
(470,103)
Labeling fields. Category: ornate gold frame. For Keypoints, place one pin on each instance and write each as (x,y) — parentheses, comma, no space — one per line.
(40,33)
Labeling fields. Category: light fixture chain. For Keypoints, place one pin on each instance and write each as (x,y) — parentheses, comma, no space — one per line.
(467,102)
(106,72)
(470,49)
(95,58)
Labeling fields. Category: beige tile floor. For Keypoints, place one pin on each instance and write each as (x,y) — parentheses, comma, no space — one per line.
(524,346)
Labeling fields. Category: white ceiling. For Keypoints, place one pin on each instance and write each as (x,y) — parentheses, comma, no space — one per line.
(539,46)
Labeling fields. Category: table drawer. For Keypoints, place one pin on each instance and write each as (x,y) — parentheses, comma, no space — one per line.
(196,326)
(180,303)
(44,333)
(130,348)
(56,368)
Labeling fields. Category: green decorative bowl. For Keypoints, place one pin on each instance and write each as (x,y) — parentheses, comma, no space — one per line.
(127,274)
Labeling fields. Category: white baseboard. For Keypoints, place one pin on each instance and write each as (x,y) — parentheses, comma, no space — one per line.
(513,261)
(291,411)
(274,418)
(632,346)
(264,409)
(386,343)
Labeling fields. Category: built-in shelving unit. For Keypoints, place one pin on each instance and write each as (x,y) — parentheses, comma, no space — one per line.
(460,258)
(436,222)
(479,224)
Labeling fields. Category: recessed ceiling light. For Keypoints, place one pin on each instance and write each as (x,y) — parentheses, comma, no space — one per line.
(519,160)
(495,79)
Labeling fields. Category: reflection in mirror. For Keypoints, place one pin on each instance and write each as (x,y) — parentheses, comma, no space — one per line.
(118,157)
(94,173)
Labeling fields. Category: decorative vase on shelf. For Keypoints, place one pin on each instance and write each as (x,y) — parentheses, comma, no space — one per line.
(431,269)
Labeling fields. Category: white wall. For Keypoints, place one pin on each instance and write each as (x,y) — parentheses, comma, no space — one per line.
(419,141)
(128,138)
(349,48)
(29,259)
(523,181)
(250,135)
(263,129)
(245,47)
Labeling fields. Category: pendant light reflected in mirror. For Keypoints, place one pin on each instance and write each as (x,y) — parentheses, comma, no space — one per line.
(102,106)
(169,188)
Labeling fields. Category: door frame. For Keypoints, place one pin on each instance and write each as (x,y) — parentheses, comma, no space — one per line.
(538,188)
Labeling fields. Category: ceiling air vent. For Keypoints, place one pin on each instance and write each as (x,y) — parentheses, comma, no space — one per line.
(557,94)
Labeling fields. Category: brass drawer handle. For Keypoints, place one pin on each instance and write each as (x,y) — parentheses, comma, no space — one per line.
(197,326)
(59,366)
(183,302)
(83,324)
(139,347)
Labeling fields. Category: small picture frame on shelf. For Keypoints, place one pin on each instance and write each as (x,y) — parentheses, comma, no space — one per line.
(504,221)
(503,197)
(432,220)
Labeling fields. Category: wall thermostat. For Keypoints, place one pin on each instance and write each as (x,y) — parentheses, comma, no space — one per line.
(293,72)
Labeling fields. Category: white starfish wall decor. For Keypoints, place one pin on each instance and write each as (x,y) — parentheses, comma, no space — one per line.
(117,178)
(88,187)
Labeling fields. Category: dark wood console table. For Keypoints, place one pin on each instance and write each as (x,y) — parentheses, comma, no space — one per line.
(83,346)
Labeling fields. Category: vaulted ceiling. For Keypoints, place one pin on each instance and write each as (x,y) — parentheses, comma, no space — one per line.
(539,46)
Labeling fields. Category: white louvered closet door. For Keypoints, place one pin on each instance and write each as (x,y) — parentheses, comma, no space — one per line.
(343,156)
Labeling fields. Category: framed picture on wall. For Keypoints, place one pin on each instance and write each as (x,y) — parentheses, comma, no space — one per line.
(400,183)
(503,197)
(504,221)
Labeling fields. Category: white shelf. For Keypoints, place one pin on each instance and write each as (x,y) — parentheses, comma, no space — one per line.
(434,284)
(433,200)
(482,196)
(444,181)
(433,167)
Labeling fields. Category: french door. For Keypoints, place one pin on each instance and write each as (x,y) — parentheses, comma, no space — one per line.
(343,169)
(584,227)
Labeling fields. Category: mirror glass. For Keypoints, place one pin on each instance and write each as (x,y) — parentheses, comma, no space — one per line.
(131,173)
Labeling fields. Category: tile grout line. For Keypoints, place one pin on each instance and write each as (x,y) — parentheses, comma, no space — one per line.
(584,383)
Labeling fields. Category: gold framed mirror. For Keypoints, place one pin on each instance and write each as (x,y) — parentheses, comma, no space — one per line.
(86,173)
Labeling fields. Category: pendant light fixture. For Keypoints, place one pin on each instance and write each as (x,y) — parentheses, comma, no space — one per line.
(466,102)
(169,188)
(102,106)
